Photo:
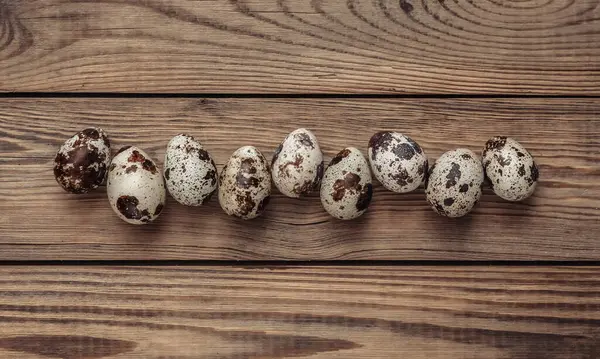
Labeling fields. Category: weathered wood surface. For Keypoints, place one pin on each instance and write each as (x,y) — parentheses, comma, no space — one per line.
(285,312)
(561,221)
(268,46)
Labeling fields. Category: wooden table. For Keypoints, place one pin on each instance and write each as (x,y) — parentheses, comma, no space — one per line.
(511,280)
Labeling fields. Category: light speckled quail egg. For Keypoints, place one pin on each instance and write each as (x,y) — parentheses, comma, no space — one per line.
(510,169)
(397,161)
(136,190)
(297,165)
(346,189)
(81,162)
(189,170)
(454,183)
(245,183)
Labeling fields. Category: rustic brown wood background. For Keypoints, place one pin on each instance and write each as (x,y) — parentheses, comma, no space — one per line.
(77,283)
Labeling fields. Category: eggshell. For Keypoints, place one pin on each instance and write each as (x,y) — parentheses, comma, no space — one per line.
(346,189)
(297,165)
(245,184)
(189,170)
(397,161)
(136,190)
(82,161)
(510,168)
(454,183)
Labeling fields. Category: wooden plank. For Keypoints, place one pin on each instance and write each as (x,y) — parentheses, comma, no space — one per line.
(268,46)
(285,312)
(560,222)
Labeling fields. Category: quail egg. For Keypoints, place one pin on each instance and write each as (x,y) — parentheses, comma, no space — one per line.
(136,190)
(346,189)
(189,170)
(81,162)
(297,165)
(245,183)
(454,183)
(510,168)
(397,161)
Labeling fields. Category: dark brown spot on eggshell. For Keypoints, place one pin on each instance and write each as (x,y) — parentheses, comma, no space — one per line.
(91,133)
(211,175)
(136,156)
(203,155)
(402,177)
(305,140)
(503,161)
(463,188)
(132,168)
(276,154)
(415,145)
(364,200)
(127,206)
(245,203)
(158,209)
(448,202)
(148,165)
(283,168)
(494,143)
(167,173)
(404,151)
(349,182)
(466,156)
(319,175)
(380,141)
(339,157)
(263,204)
(453,175)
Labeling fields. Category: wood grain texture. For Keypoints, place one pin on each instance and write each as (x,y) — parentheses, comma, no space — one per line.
(561,221)
(289,312)
(305,46)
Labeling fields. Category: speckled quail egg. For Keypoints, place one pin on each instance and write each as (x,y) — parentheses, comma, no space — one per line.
(346,189)
(397,161)
(136,190)
(510,168)
(81,162)
(189,170)
(245,183)
(454,183)
(297,165)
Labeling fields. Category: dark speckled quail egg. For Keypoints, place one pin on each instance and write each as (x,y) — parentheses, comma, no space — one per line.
(346,189)
(454,183)
(245,184)
(297,165)
(510,168)
(136,190)
(81,162)
(397,161)
(189,170)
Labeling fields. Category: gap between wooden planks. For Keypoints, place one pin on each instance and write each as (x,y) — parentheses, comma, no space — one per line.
(300,46)
(283,312)
(39,221)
